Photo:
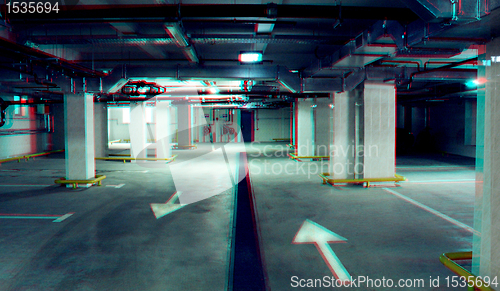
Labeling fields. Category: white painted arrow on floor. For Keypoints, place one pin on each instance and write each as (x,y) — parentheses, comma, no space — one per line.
(313,233)
(162,209)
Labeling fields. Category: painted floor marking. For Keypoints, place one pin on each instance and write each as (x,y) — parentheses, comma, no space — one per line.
(437,181)
(162,209)
(58,217)
(413,167)
(116,186)
(64,217)
(312,233)
(24,185)
(433,211)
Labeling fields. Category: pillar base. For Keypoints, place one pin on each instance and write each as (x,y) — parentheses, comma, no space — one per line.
(124,158)
(81,183)
(366,181)
(295,157)
(184,147)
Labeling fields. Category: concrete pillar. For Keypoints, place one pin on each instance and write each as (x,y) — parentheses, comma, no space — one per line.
(101,129)
(197,129)
(322,124)
(79,136)
(486,240)
(379,142)
(137,129)
(183,125)
(304,123)
(364,132)
(163,134)
(342,156)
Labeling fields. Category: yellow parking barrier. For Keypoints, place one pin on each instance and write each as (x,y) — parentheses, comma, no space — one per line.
(327,180)
(184,147)
(128,158)
(97,180)
(27,157)
(473,282)
(298,158)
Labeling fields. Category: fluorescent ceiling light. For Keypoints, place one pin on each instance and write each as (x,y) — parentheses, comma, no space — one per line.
(265,27)
(175,32)
(250,57)
(190,54)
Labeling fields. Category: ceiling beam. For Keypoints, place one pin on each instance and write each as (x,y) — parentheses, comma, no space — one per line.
(162,13)
(280,74)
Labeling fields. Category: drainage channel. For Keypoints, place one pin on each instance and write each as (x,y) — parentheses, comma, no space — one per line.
(246,266)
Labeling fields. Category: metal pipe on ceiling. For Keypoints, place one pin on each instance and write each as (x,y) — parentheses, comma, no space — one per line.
(401,62)
(18,51)
(162,13)
(439,69)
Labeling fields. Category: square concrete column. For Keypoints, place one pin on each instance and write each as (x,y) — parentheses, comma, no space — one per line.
(304,124)
(486,240)
(101,129)
(137,129)
(322,113)
(79,136)
(184,125)
(364,132)
(379,142)
(342,155)
(163,133)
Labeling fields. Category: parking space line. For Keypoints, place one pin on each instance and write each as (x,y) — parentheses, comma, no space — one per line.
(54,217)
(64,217)
(24,185)
(433,211)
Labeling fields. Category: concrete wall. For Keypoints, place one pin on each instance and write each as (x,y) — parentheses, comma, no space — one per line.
(400,119)
(224,125)
(447,123)
(19,144)
(119,130)
(418,120)
(272,123)
(57,114)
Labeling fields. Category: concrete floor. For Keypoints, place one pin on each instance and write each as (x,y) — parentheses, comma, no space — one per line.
(113,241)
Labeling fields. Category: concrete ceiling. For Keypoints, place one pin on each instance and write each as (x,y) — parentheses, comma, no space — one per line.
(324,43)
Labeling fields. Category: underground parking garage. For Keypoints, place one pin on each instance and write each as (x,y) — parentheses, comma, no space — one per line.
(246,145)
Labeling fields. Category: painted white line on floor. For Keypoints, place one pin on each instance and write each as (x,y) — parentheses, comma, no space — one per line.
(116,186)
(443,181)
(21,185)
(433,211)
(64,217)
(414,167)
(54,217)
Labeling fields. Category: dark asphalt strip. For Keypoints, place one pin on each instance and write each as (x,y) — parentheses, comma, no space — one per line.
(247,270)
